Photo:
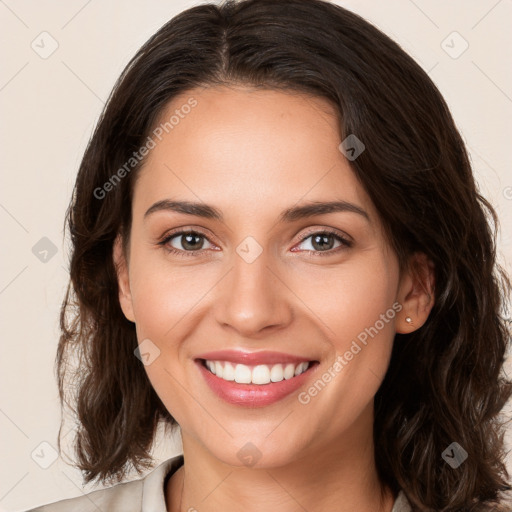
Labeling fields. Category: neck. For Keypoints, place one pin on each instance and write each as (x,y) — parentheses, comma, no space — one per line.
(340,479)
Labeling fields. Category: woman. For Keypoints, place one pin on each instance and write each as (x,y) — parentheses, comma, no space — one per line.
(278,245)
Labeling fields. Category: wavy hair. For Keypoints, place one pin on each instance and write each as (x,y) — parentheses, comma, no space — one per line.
(445,382)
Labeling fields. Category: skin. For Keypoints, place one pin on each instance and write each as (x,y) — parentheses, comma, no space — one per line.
(252,154)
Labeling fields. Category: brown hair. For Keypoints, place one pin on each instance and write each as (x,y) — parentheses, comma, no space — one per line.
(444,382)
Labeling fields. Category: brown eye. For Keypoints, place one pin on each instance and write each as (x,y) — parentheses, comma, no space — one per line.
(189,241)
(185,243)
(324,242)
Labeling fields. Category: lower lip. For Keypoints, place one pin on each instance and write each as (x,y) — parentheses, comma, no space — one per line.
(254,395)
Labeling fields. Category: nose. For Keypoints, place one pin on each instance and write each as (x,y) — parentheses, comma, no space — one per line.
(253,299)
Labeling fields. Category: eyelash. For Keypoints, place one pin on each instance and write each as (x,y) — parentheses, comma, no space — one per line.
(167,238)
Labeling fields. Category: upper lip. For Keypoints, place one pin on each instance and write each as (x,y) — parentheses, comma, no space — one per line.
(253,358)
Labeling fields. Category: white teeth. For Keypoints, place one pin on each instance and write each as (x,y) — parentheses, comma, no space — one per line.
(211,366)
(301,368)
(276,373)
(228,372)
(260,374)
(242,374)
(289,371)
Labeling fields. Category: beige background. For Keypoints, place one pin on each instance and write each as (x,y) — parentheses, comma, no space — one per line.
(48,109)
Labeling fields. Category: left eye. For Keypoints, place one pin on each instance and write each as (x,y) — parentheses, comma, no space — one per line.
(324,241)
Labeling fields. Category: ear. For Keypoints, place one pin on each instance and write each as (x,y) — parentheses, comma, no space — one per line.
(416,293)
(123,280)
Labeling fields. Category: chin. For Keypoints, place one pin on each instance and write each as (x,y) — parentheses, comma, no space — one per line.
(256,452)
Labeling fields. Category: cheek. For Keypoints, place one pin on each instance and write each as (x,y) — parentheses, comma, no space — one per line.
(368,295)
(352,297)
(164,295)
(165,301)
(358,309)
(360,315)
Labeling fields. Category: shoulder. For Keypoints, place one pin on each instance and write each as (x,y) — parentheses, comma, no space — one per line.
(146,493)
(124,496)
(402,504)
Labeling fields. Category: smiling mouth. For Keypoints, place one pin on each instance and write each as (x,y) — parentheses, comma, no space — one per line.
(260,374)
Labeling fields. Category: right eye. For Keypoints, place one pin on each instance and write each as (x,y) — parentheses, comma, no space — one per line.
(191,243)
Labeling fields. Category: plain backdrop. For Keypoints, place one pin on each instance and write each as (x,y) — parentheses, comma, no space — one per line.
(59,63)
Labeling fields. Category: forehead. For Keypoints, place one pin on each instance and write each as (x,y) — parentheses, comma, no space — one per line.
(242,147)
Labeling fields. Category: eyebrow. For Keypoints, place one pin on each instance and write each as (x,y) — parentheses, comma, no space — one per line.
(289,215)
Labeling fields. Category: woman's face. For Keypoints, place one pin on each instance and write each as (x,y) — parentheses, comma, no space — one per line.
(262,276)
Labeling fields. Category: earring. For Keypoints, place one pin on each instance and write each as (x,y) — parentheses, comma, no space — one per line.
(408,319)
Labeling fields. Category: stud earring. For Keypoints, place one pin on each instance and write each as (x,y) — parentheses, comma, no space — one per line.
(408,319)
